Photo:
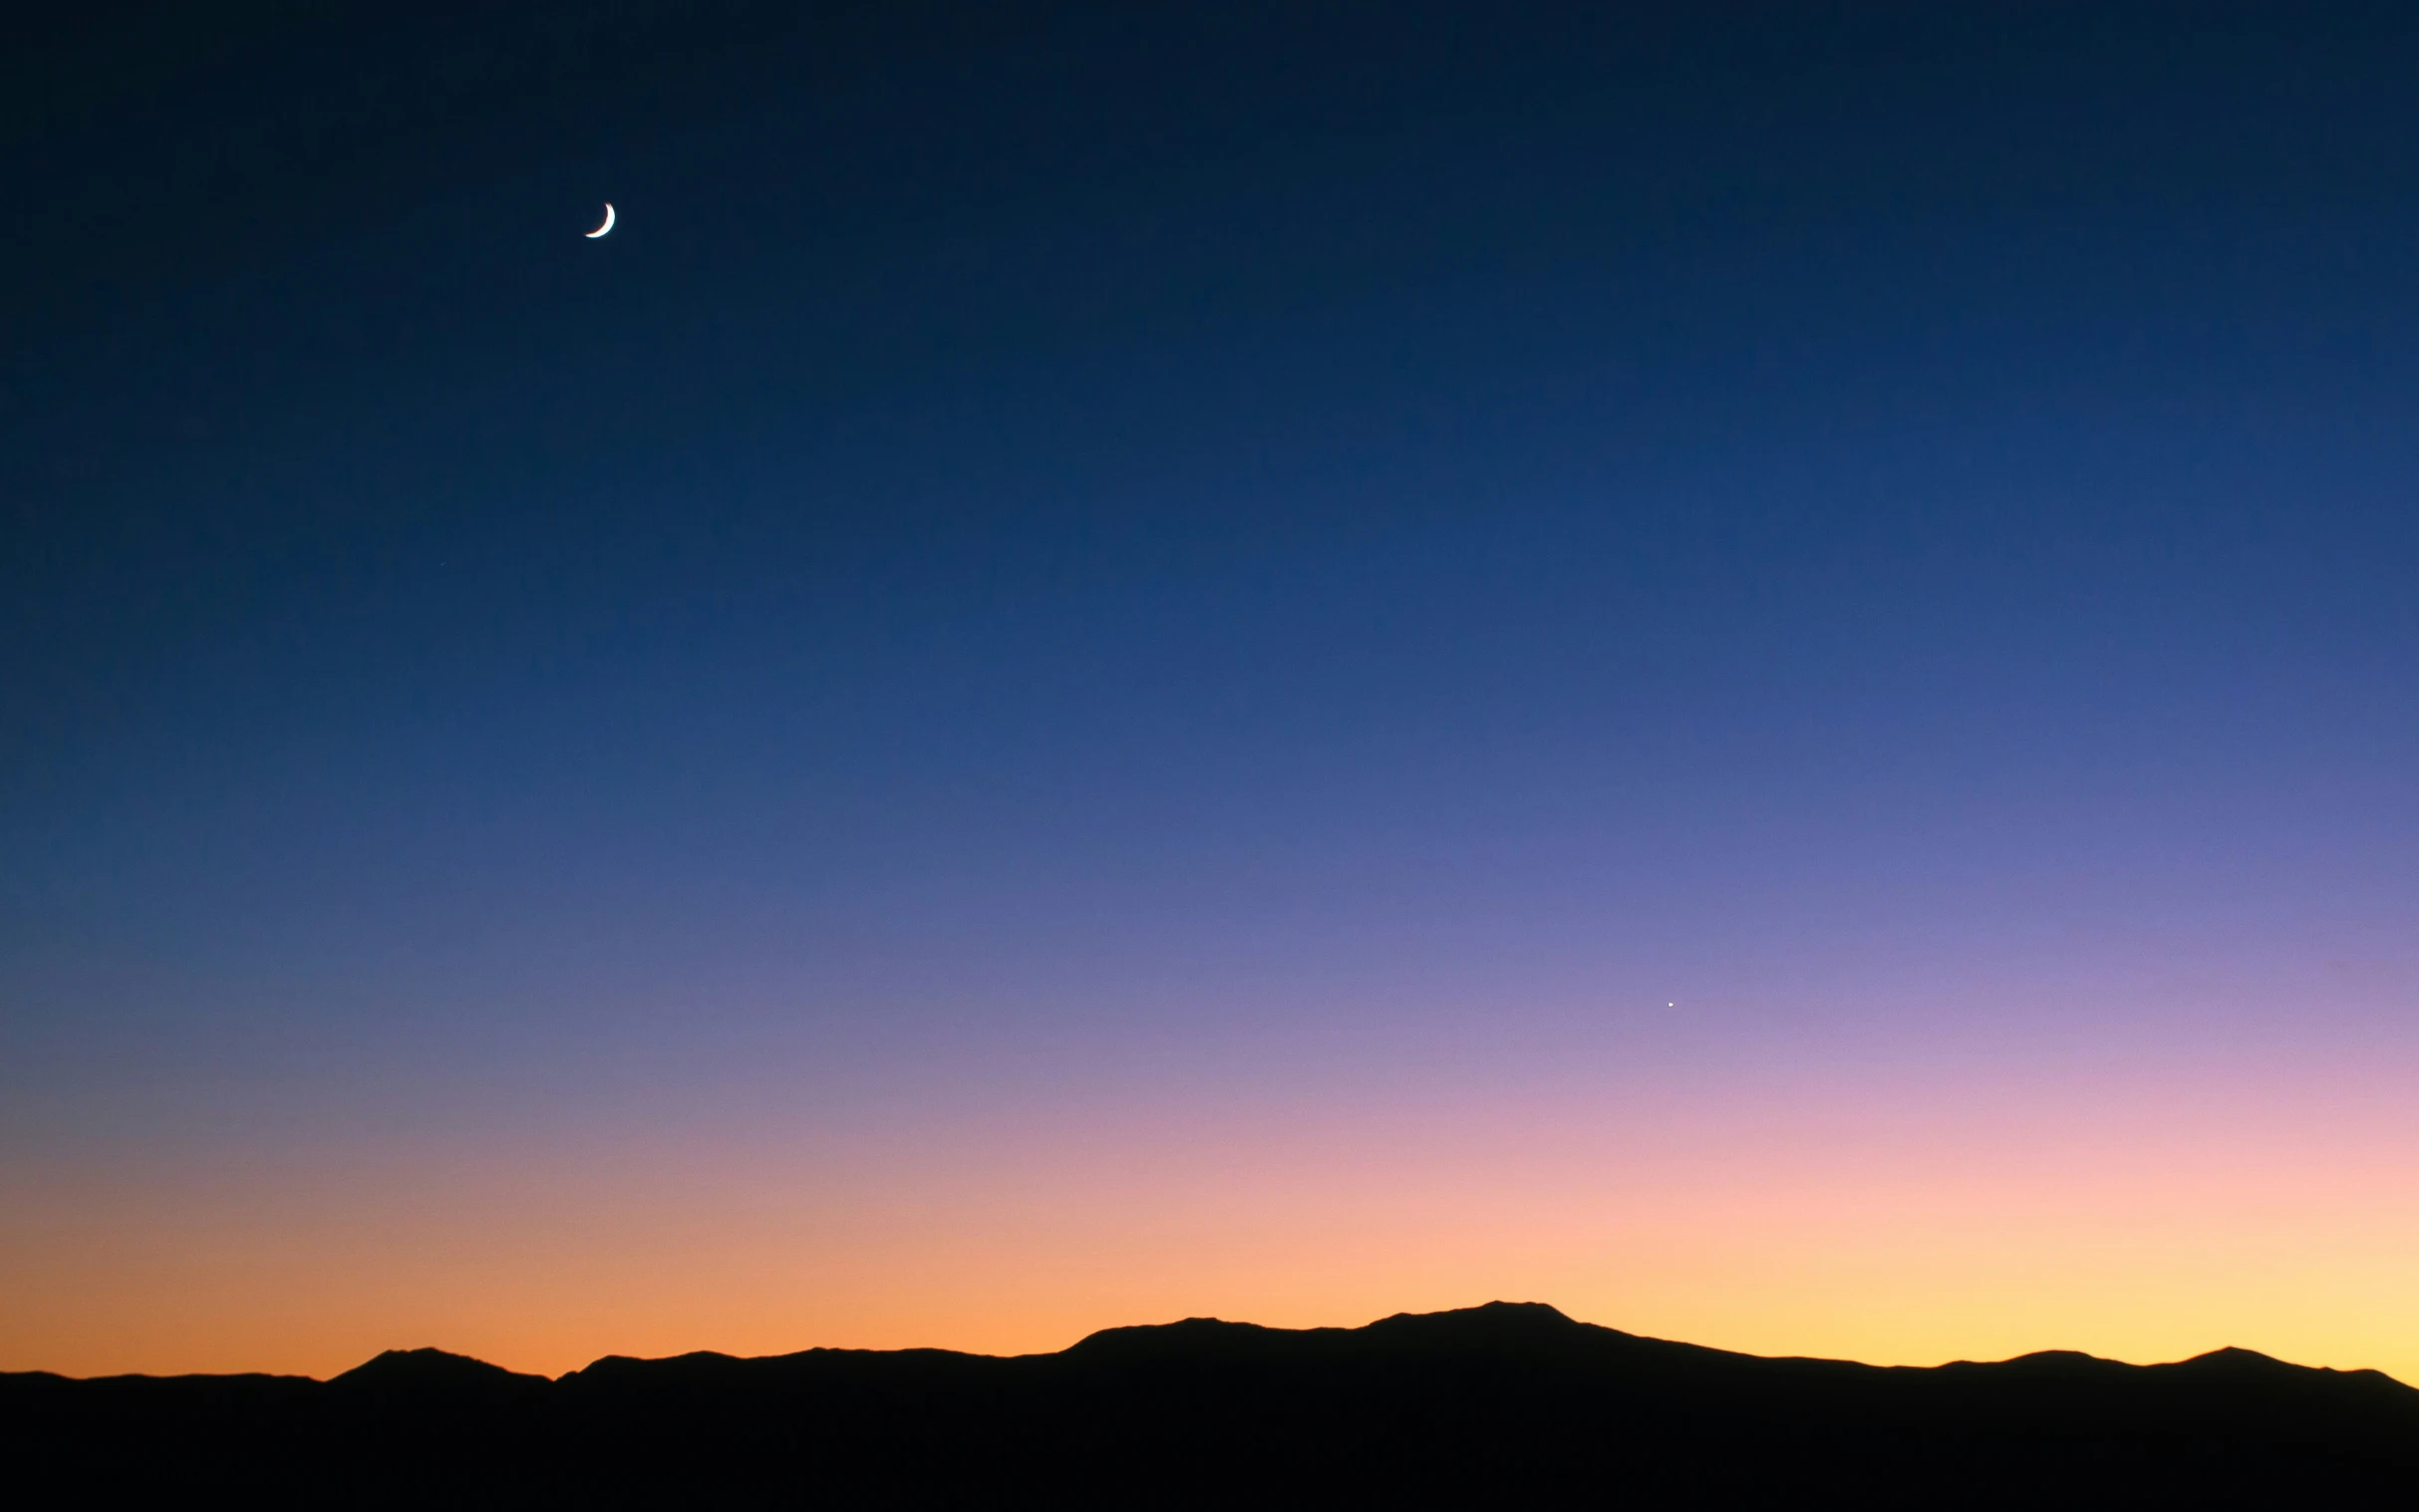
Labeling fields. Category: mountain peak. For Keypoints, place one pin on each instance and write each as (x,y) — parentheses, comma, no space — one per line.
(431,1370)
(1497,1315)
(2243,1361)
(1192,1336)
(1489,1321)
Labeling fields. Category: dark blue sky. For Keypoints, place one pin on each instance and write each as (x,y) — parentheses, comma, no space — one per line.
(1233,544)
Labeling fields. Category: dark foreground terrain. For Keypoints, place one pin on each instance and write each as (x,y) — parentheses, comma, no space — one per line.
(1470,1408)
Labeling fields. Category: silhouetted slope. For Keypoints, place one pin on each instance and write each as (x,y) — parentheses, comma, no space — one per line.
(435,1373)
(1503,1400)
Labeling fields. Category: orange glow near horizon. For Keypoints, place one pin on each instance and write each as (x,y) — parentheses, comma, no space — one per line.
(1960,1223)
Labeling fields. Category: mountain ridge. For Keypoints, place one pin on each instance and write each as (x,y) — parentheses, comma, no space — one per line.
(1505,1397)
(419,1363)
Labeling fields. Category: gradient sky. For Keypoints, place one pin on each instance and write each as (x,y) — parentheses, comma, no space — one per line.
(1749,669)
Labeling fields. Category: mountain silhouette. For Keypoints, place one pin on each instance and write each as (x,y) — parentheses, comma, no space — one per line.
(1505,1400)
(434,1372)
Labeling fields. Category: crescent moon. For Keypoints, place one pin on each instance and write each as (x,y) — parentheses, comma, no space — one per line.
(607,226)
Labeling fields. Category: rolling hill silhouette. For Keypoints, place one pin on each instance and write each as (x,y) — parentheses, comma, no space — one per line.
(1505,1400)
